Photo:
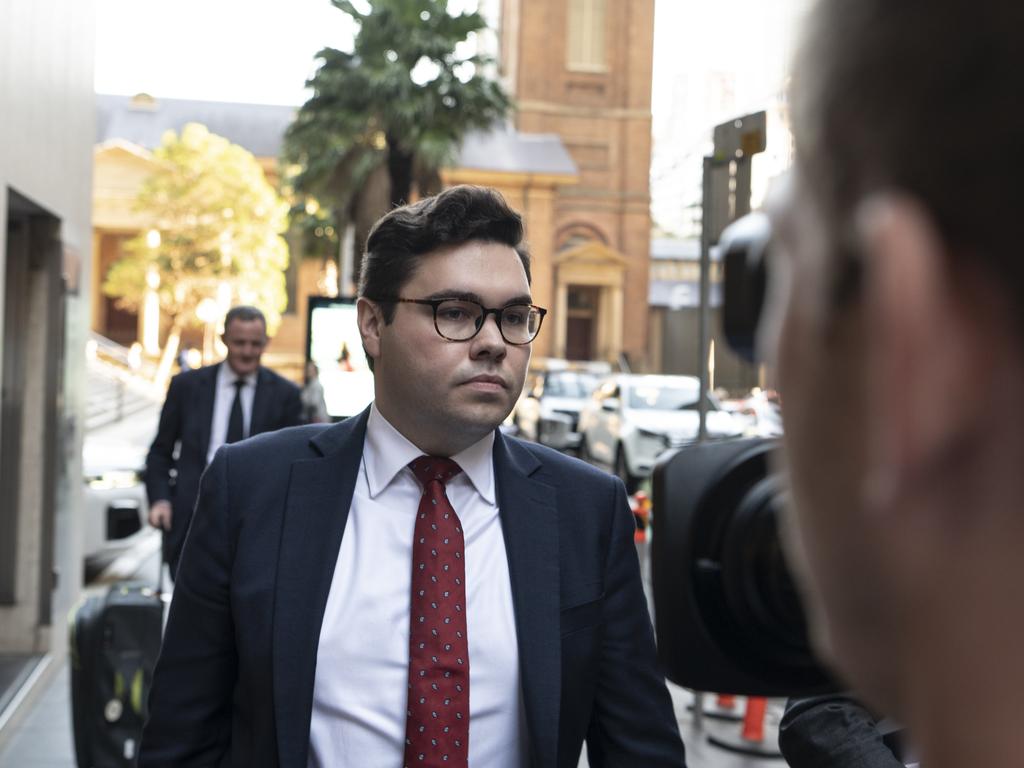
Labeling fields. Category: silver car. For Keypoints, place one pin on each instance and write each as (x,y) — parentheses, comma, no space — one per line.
(550,407)
(631,419)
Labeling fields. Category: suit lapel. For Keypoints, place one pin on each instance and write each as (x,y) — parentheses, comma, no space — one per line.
(207,395)
(529,520)
(261,404)
(319,496)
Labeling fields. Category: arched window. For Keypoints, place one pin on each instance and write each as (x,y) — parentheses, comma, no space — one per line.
(586,49)
(578,233)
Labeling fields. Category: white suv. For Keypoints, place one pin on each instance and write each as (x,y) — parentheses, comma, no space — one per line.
(631,419)
(115,501)
(549,409)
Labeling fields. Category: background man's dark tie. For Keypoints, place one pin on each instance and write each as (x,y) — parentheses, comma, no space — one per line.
(235,424)
(437,724)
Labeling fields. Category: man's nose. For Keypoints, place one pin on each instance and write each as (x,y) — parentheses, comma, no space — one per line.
(489,339)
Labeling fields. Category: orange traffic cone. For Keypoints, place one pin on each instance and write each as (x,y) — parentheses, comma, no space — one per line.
(753,718)
(726,701)
(641,506)
(751,739)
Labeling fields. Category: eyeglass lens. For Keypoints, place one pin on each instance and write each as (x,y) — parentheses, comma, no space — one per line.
(460,320)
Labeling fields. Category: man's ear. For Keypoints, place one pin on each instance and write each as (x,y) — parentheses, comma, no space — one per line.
(371,322)
(926,344)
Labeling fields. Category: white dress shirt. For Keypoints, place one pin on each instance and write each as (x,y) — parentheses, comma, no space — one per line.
(361,686)
(223,399)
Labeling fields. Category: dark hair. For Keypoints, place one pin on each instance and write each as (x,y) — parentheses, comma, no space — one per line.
(924,97)
(244,314)
(401,237)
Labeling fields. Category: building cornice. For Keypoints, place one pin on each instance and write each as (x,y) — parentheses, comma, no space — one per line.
(553,108)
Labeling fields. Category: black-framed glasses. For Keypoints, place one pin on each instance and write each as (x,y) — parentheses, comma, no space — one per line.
(462,319)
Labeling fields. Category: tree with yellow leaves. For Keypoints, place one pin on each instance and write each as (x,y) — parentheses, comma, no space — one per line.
(219,222)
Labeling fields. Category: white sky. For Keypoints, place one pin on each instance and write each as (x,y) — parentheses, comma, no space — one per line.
(253,51)
(258,51)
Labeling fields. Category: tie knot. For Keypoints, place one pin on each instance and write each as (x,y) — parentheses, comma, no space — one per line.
(430,468)
(239,383)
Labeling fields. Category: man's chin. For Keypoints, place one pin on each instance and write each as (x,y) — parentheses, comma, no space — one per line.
(482,417)
(244,369)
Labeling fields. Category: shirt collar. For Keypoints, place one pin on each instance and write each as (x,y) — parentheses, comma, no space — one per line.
(387,452)
(226,377)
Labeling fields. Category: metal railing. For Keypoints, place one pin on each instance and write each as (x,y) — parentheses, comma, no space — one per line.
(119,382)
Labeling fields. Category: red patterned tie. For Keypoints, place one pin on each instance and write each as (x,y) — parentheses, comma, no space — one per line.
(437,725)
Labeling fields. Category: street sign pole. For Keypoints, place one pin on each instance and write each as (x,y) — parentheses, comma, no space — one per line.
(704,315)
(726,197)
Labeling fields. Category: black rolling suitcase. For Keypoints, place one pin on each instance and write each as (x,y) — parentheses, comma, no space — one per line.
(114,643)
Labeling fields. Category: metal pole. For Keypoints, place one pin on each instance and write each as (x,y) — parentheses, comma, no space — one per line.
(704,321)
(698,710)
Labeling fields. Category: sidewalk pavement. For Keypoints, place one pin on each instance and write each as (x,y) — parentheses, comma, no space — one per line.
(43,739)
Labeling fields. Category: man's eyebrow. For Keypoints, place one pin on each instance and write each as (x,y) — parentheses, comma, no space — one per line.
(524,298)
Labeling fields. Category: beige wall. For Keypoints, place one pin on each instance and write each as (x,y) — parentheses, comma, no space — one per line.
(46,137)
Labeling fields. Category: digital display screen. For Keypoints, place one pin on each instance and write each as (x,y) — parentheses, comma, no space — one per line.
(335,346)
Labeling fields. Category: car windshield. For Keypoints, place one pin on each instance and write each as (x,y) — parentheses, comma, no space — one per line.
(666,397)
(569,384)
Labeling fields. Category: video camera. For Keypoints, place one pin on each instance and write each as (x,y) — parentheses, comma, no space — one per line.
(727,611)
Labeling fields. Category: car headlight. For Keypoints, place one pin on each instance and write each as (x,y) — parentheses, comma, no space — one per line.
(114,480)
(657,437)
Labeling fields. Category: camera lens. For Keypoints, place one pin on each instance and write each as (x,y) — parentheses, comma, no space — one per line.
(755,580)
(728,613)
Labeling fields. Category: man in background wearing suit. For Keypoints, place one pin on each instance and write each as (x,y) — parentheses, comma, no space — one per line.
(410,587)
(207,408)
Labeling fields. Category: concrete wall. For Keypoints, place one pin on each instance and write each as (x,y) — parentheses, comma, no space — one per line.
(46,138)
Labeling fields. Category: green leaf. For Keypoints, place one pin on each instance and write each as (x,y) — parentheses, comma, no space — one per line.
(220,225)
(365,101)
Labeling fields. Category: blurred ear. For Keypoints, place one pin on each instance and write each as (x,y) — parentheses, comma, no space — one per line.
(371,323)
(927,344)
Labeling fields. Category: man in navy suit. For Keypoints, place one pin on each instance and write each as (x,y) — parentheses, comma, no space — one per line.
(206,408)
(410,587)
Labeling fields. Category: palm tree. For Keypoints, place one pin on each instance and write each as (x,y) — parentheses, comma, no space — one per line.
(393,111)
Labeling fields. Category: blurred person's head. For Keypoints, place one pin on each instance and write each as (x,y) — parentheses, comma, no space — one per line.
(465,244)
(311,372)
(245,336)
(899,341)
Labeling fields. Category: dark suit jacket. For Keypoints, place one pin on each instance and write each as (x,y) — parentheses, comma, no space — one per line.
(185,422)
(234,683)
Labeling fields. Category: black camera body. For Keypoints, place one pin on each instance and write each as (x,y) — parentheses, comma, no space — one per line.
(744,246)
(728,615)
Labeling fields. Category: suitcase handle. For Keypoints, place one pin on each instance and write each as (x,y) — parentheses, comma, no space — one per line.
(160,570)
